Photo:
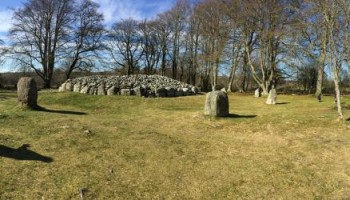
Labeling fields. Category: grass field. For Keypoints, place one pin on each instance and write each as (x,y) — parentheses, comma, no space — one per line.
(114,147)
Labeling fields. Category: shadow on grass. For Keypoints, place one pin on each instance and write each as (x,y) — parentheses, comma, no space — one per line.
(23,153)
(42,109)
(348,119)
(282,103)
(231,115)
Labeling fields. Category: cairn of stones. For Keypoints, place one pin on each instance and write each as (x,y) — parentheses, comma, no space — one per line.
(27,92)
(139,85)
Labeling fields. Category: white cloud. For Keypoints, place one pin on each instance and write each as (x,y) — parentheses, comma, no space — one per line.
(114,10)
(5,20)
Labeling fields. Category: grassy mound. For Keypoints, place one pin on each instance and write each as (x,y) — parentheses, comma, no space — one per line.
(118,147)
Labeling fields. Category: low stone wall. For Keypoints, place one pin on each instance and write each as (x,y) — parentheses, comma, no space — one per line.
(140,85)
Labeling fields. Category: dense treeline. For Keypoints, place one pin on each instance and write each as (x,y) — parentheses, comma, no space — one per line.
(240,44)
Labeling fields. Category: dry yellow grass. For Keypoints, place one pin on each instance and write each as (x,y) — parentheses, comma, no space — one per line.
(136,148)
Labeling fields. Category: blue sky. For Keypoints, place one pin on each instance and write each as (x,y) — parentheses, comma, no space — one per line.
(113,10)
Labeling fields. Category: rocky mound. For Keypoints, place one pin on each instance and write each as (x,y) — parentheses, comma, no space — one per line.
(140,85)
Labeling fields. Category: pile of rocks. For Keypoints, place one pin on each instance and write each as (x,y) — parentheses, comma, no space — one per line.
(140,85)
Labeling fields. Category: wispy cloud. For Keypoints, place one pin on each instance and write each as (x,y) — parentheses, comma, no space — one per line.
(5,20)
(115,10)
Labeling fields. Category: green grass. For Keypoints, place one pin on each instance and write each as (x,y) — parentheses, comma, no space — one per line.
(164,148)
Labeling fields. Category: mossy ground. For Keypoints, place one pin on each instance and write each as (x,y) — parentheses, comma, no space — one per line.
(118,147)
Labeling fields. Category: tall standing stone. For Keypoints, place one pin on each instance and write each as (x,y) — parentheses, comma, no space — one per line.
(216,104)
(27,92)
(271,99)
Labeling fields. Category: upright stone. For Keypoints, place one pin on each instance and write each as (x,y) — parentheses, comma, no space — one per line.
(27,92)
(257,93)
(216,104)
(271,99)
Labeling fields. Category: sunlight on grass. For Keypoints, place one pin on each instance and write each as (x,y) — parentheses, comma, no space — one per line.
(118,147)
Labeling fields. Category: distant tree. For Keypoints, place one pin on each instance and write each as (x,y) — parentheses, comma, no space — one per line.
(124,45)
(177,17)
(150,46)
(3,51)
(331,12)
(39,33)
(268,22)
(50,32)
(85,37)
(214,29)
(163,31)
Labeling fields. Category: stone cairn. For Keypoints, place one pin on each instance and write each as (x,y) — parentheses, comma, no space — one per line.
(216,104)
(27,92)
(139,85)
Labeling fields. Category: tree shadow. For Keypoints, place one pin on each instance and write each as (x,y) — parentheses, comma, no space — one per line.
(282,103)
(42,109)
(348,119)
(23,153)
(231,115)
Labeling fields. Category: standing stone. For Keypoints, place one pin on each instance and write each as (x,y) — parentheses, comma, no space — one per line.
(257,93)
(27,92)
(216,104)
(271,99)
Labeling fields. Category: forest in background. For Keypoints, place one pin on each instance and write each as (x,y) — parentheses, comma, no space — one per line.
(239,44)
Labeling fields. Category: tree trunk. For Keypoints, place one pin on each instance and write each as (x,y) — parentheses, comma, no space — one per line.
(337,95)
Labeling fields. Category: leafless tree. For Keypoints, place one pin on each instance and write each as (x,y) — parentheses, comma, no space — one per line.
(150,46)
(40,32)
(47,33)
(85,37)
(124,45)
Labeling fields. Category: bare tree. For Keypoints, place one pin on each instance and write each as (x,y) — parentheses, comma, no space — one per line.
(124,45)
(39,33)
(268,22)
(215,30)
(85,38)
(150,46)
(3,51)
(331,12)
(163,30)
